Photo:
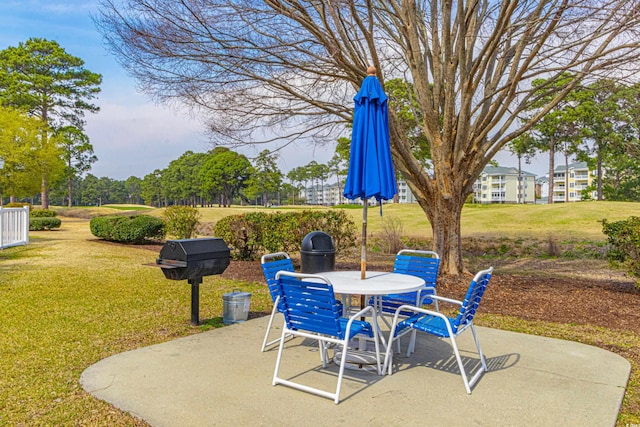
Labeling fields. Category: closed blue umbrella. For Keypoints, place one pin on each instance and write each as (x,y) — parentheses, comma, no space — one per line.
(371,172)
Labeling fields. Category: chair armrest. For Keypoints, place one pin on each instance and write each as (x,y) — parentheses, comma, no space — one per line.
(431,293)
(419,310)
(444,299)
(362,312)
(415,309)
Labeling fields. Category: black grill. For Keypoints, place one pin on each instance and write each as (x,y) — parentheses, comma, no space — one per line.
(192,259)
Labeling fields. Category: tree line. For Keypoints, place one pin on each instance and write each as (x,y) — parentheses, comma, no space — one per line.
(218,177)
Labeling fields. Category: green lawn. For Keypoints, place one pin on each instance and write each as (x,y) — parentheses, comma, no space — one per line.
(68,300)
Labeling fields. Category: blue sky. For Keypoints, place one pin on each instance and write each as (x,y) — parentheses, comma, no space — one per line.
(131,135)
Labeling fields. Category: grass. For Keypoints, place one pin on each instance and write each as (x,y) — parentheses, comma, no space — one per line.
(68,301)
(561,220)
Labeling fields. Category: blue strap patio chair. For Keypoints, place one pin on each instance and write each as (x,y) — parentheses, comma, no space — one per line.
(435,323)
(271,264)
(311,311)
(423,264)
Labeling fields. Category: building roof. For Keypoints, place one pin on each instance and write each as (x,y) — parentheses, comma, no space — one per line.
(574,166)
(499,170)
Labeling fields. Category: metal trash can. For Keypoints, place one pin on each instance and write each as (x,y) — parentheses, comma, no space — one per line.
(235,307)
(317,253)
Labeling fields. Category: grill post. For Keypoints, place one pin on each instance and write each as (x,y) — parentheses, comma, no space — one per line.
(195,300)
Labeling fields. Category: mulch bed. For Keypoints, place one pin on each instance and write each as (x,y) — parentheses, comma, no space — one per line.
(600,300)
(566,293)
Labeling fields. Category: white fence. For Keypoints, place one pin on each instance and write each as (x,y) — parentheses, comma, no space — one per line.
(14,226)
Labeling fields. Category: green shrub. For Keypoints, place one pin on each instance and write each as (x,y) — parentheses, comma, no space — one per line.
(128,229)
(18,205)
(43,213)
(242,233)
(44,223)
(254,233)
(623,238)
(181,222)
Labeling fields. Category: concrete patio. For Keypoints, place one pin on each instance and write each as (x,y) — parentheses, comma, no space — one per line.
(220,378)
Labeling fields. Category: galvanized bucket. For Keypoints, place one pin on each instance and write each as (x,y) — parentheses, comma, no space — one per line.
(235,306)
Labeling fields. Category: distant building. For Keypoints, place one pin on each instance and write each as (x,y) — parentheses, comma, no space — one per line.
(332,194)
(404,192)
(572,189)
(505,185)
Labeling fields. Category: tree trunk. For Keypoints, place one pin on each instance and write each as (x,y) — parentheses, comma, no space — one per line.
(69,188)
(441,193)
(599,173)
(566,177)
(44,194)
(552,156)
(520,180)
(447,241)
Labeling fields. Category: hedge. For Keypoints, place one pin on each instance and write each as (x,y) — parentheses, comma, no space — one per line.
(134,229)
(253,234)
(44,223)
(43,213)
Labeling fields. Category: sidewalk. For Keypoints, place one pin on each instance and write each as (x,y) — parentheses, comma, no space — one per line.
(220,378)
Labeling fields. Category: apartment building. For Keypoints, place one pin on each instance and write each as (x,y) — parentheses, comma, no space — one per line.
(504,185)
(495,185)
(332,194)
(570,182)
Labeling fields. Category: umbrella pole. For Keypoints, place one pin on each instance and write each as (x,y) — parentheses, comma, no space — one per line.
(363,256)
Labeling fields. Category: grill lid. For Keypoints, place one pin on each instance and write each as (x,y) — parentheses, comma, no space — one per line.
(180,253)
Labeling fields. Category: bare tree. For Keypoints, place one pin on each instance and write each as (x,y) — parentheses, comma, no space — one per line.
(292,67)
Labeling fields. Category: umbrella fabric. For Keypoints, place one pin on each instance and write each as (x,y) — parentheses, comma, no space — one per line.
(371,172)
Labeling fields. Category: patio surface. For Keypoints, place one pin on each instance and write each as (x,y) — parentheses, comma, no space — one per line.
(220,378)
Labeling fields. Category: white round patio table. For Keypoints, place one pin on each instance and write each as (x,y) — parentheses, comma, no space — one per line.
(374,283)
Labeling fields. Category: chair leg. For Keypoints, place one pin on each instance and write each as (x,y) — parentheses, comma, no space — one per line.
(345,345)
(463,373)
(483,362)
(411,347)
(266,334)
(277,380)
(483,365)
(280,348)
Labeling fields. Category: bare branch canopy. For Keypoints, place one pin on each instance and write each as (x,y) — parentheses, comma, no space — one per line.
(288,70)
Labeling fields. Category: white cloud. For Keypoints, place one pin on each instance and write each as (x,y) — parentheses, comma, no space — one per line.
(137,138)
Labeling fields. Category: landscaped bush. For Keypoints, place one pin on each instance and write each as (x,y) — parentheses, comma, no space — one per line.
(18,205)
(181,222)
(252,234)
(623,238)
(44,223)
(242,233)
(43,213)
(134,229)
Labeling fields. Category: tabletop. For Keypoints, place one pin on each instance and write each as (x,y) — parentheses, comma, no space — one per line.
(375,282)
